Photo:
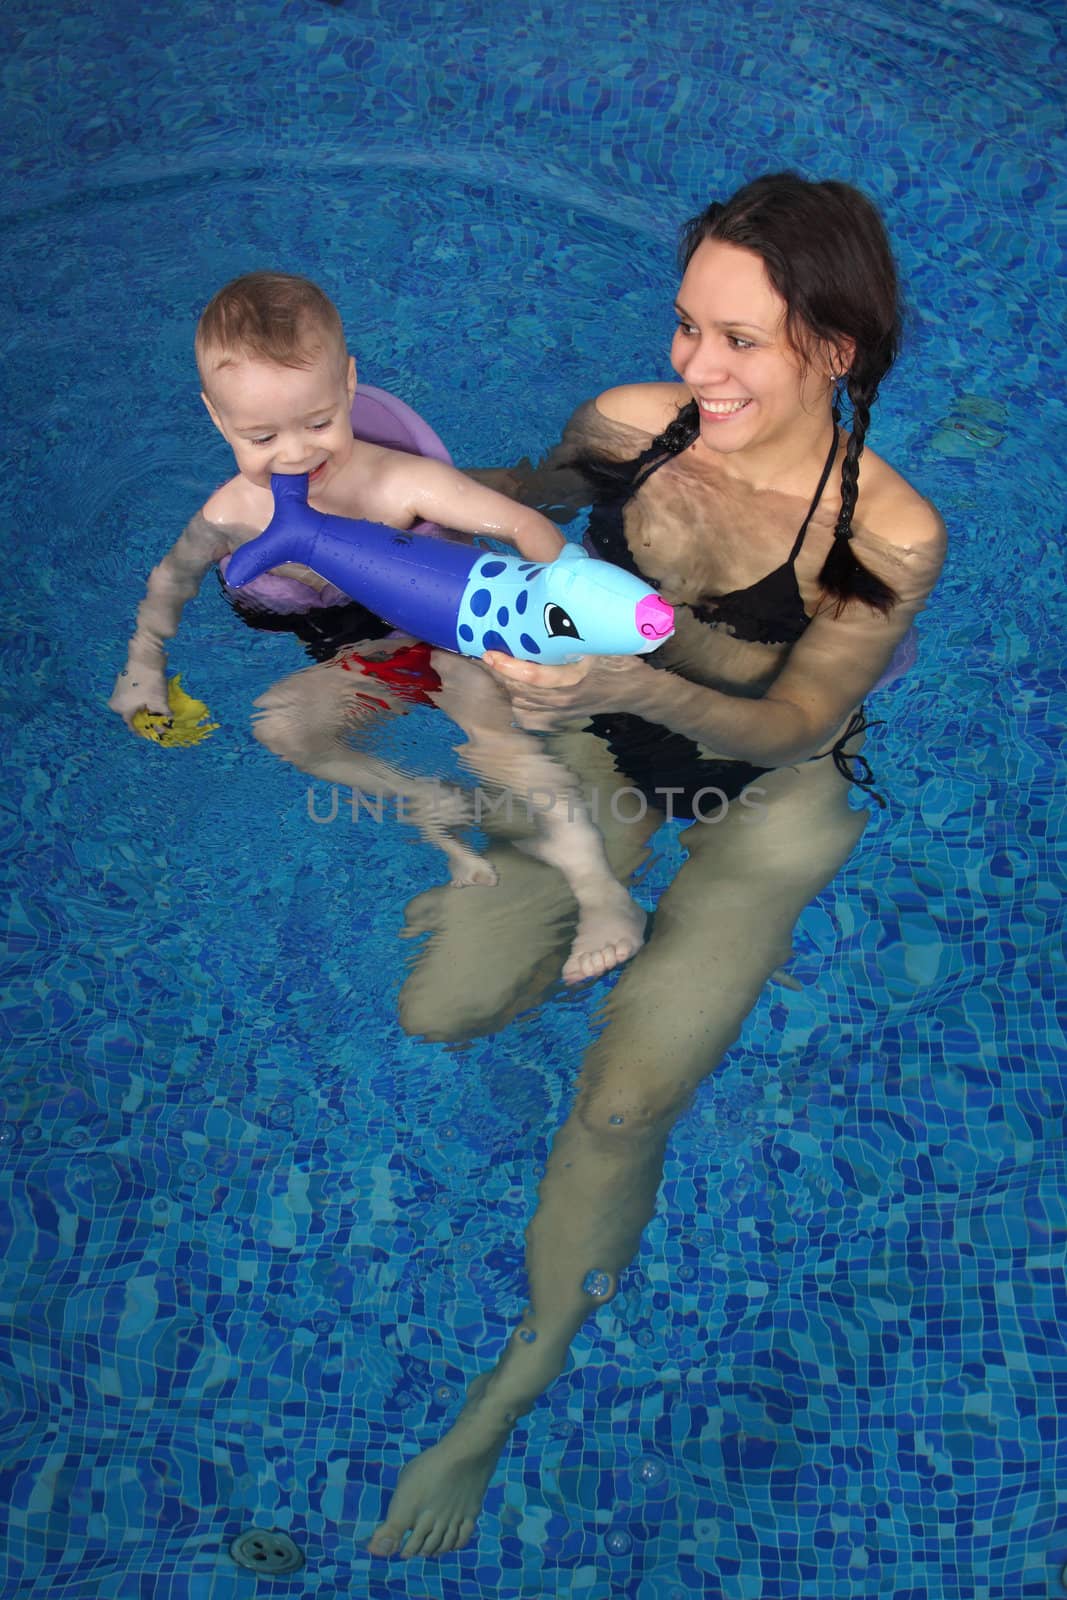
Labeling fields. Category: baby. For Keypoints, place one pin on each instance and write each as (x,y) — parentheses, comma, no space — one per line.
(278,383)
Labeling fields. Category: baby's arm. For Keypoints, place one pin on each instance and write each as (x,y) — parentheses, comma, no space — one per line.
(142,683)
(417,489)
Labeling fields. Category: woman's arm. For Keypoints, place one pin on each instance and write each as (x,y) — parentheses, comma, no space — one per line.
(828,673)
(556,484)
(616,426)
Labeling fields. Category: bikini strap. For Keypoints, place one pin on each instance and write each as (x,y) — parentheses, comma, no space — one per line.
(816,498)
(853,765)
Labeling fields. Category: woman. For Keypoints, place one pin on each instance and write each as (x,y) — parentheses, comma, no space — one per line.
(797,559)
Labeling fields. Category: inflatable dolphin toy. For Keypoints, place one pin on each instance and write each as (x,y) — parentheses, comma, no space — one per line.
(457,597)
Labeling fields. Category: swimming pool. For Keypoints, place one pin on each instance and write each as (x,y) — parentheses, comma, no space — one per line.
(259,1239)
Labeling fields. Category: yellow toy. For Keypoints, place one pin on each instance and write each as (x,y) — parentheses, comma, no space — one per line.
(187,723)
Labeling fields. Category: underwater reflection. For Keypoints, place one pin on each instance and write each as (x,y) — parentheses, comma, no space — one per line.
(324,719)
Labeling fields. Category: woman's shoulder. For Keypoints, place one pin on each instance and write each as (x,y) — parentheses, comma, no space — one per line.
(893,510)
(619,424)
(897,533)
(649,407)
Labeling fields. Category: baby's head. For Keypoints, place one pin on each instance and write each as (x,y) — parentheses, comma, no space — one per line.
(276,377)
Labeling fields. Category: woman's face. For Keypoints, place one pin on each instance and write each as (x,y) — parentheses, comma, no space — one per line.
(731,348)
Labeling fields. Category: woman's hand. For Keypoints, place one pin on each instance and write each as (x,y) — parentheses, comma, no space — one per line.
(546,697)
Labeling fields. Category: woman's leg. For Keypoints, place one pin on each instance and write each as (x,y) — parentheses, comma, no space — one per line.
(721,929)
(489,958)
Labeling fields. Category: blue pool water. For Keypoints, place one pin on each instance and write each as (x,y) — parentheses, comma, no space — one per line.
(256,1238)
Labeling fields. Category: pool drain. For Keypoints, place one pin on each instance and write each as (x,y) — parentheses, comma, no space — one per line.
(266,1551)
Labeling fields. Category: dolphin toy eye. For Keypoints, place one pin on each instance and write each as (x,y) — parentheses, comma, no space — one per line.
(559,624)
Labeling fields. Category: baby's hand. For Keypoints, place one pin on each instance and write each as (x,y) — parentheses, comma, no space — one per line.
(139,689)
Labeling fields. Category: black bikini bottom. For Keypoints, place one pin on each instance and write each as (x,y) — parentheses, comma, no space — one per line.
(677,778)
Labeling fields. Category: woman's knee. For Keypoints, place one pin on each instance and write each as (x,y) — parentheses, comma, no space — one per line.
(446,1015)
(623,1116)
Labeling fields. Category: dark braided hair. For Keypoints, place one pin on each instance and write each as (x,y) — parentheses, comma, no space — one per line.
(827,255)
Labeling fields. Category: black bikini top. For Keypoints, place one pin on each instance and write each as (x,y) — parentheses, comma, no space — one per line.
(769,611)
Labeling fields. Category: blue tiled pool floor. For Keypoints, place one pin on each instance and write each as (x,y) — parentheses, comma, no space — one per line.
(256,1239)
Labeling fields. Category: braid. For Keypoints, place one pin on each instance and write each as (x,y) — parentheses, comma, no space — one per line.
(850,466)
(615,481)
(610,477)
(842,575)
(679,434)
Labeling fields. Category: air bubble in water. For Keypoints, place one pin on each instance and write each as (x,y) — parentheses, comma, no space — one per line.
(598,1284)
(649,1470)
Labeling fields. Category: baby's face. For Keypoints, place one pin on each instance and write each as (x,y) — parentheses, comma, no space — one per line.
(285,419)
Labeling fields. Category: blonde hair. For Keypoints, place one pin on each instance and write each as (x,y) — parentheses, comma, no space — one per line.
(271,316)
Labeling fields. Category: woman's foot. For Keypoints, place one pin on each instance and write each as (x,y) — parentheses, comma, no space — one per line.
(439,1495)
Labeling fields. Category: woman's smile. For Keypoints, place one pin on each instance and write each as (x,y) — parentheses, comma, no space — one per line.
(721,410)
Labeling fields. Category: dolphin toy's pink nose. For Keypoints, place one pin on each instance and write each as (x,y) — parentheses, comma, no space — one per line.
(654,617)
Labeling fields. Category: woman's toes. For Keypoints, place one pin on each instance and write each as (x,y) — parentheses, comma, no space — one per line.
(425,1538)
(385,1540)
